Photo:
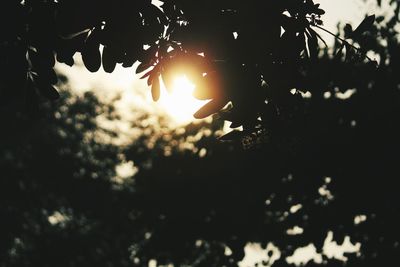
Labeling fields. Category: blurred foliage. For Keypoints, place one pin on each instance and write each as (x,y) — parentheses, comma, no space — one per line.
(64,171)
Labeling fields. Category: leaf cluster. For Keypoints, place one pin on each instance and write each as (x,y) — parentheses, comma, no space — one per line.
(247,55)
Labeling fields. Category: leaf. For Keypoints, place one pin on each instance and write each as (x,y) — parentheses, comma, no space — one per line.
(364,26)
(349,52)
(167,77)
(74,34)
(348,30)
(235,124)
(147,74)
(65,57)
(156,12)
(108,60)
(67,48)
(155,89)
(142,67)
(210,108)
(154,73)
(128,60)
(91,56)
(339,52)
(312,44)
(53,79)
(146,56)
(319,11)
(68,25)
(319,37)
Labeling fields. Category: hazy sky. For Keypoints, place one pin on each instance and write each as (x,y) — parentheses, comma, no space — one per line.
(345,11)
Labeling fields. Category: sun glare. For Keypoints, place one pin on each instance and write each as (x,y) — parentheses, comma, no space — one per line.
(180,103)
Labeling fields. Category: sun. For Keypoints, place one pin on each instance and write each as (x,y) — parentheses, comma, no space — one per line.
(180,103)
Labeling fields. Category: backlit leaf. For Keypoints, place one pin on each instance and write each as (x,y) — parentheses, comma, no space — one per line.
(155,89)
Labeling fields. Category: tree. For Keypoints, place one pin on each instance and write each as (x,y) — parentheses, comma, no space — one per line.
(327,146)
(235,52)
(333,156)
(56,184)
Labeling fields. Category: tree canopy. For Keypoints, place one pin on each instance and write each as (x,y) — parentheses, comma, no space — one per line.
(247,54)
(323,125)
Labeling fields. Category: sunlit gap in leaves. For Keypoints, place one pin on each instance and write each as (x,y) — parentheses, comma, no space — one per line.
(179,104)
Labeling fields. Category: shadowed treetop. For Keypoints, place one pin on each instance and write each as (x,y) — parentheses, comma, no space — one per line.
(248,54)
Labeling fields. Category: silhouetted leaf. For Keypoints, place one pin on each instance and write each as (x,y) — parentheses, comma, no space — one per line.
(339,52)
(236,123)
(65,57)
(147,74)
(364,26)
(156,12)
(319,37)
(142,67)
(312,44)
(91,54)
(348,30)
(211,107)
(146,56)
(129,59)
(318,10)
(108,60)
(67,48)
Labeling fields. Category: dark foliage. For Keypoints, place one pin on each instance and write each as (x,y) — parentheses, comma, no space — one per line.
(62,169)
(248,54)
(342,137)
(323,130)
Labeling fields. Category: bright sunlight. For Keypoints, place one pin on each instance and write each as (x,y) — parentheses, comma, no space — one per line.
(180,103)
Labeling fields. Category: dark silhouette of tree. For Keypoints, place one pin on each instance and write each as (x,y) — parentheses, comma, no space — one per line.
(247,54)
(331,151)
(330,144)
